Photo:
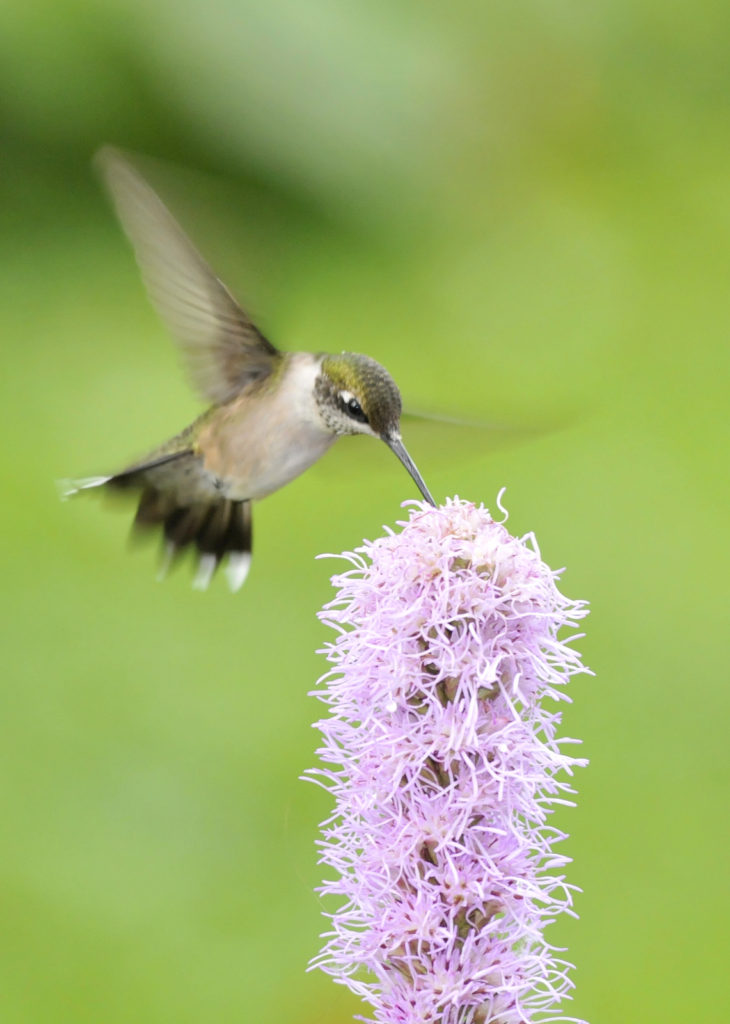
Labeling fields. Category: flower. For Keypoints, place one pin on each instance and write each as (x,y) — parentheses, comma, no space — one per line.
(441,754)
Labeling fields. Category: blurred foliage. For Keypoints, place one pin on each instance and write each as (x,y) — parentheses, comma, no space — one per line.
(523,210)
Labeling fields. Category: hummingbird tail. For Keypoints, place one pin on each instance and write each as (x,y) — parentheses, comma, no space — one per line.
(218,529)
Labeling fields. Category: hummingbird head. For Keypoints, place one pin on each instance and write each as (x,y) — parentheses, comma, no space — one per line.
(356,395)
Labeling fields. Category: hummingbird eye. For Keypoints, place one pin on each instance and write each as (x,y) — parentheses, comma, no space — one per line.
(352,407)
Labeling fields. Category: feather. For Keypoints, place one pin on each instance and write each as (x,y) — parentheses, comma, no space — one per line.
(222,348)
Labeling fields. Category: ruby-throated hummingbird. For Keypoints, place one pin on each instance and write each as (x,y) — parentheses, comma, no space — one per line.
(273,414)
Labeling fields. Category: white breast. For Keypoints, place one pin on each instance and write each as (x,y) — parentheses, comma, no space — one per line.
(273,439)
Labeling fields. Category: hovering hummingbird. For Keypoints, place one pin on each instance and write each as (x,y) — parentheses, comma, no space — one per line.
(273,413)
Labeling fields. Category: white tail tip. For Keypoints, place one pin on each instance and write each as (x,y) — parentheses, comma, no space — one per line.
(239,562)
(206,568)
(168,557)
(67,488)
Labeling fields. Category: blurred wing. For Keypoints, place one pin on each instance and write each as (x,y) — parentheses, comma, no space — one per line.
(222,348)
(456,434)
(435,441)
(418,416)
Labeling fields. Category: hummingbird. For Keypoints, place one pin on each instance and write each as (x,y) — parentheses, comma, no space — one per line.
(271,413)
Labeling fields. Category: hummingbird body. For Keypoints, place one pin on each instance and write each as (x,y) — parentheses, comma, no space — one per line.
(262,439)
(273,413)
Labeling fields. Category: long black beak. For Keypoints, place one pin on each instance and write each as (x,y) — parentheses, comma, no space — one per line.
(396,445)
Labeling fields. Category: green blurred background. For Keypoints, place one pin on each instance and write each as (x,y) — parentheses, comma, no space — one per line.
(523,210)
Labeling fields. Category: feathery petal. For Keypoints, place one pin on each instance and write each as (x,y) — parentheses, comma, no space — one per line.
(441,753)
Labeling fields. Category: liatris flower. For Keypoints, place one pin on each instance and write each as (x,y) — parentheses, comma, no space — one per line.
(444,764)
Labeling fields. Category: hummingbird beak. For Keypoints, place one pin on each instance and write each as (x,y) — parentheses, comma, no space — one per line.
(396,445)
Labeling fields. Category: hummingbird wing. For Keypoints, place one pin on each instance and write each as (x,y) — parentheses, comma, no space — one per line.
(223,350)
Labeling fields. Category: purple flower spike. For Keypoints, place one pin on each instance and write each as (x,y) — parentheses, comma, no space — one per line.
(444,766)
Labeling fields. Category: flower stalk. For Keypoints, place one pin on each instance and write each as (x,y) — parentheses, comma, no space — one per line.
(441,753)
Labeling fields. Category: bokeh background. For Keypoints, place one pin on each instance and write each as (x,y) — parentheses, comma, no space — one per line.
(523,210)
